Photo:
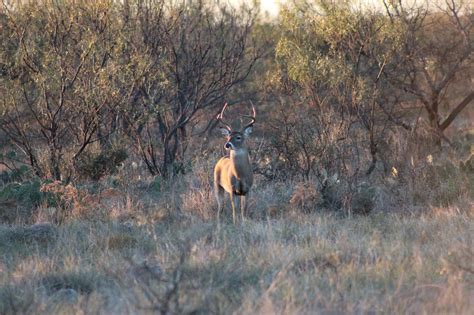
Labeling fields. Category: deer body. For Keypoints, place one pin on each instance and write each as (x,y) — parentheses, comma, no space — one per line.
(233,174)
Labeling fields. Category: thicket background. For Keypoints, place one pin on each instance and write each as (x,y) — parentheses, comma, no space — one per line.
(362,153)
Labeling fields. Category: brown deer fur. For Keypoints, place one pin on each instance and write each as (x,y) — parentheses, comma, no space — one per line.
(233,174)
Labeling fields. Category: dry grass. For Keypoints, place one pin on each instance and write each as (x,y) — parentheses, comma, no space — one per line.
(152,247)
(291,263)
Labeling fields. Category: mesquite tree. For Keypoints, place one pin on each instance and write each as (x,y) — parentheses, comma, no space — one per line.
(438,58)
(333,60)
(55,89)
(190,56)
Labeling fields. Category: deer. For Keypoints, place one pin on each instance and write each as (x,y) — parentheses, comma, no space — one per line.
(233,173)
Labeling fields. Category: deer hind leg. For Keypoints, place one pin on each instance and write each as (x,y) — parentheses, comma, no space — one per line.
(220,194)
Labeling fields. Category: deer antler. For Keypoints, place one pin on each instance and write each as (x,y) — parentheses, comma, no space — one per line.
(253,117)
(220,118)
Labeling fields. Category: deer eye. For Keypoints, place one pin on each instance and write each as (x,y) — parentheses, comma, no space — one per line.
(238,138)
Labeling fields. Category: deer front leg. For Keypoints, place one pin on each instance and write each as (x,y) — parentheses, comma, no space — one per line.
(234,199)
(243,206)
(219,192)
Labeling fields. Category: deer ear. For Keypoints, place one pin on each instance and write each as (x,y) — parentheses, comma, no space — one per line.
(247,131)
(225,131)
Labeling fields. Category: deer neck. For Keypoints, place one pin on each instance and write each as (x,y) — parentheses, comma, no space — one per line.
(240,162)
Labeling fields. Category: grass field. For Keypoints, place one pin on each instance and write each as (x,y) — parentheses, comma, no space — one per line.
(155,258)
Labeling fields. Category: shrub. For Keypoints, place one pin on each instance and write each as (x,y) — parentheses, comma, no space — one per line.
(61,195)
(434,180)
(20,200)
(82,282)
(26,193)
(15,175)
(363,200)
(105,163)
(305,140)
(305,196)
(447,183)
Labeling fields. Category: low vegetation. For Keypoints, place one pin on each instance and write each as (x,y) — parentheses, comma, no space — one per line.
(139,249)
(289,263)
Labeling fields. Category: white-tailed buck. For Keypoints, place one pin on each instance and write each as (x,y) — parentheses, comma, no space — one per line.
(233,173)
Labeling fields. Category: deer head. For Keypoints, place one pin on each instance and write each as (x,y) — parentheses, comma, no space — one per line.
(236,139)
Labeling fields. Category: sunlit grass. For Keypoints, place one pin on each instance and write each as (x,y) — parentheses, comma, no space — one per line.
(318,262)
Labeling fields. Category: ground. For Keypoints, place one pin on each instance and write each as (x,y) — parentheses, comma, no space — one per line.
(165,261)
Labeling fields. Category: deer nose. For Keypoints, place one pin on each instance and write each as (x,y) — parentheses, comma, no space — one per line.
(228,145)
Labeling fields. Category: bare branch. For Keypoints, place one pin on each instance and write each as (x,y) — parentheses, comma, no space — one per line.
(455,112)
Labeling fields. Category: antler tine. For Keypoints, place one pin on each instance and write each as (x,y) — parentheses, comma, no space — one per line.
(254,114)
(253,117)
(220,118)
